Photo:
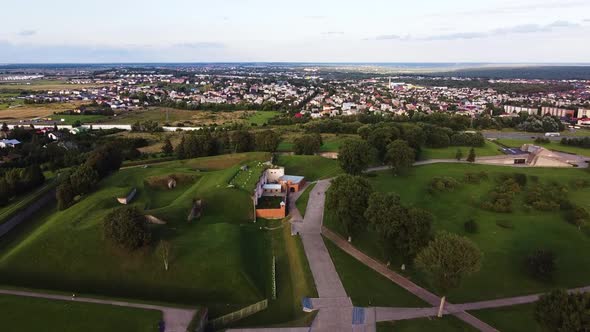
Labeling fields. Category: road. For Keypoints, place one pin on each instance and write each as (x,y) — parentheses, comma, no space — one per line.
(176,319)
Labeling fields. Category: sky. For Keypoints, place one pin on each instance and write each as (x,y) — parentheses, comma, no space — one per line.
(91,31)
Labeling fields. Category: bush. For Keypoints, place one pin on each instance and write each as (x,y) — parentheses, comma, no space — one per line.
(542,140)
(541,264)
(442,184)
(127,228)
(471,226)
(578,216)
(560,311)
(475,177)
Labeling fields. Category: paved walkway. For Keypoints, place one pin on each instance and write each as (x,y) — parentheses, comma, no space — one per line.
(391,314)
(176,319)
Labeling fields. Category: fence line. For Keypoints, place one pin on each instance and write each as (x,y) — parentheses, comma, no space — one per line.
(238,315)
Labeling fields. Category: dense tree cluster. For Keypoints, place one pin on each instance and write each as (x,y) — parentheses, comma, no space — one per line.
(347,199)
(127,228)
(561,311)
(579,142)
(17,181)
(354,156)
(307,144)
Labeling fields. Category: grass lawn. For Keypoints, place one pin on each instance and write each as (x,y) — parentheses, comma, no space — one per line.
(504,249)
(489,149)
(445,324)
(261,117)
(294,281)
(303,199)
(511,319)
(220,261)
(311,167)
(365,286)
(331,142)
(25,314)
(517,143)
(247,179)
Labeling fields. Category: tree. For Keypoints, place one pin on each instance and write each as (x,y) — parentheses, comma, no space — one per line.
(563,312)
(127,228)
(354,156)
(307,144)
(65,195)
(347,198)
(379,139)
(400,156)
(4,127)
(267,140)
(180,153)
(459,154)
(541,264)
(403,230)
(83,179)
(447,260)
(167,148)
(471,156)
(164,251)
(578,216)
(105,159)
(241,141)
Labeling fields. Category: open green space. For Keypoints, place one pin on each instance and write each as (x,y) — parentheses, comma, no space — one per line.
(294,282)
(445,324)
(26,314)
(302,201)
(311,167)
(366,287)
(221,261)
(489,149)
(556,146)
(511,319)
(261,117)
(504,249)
(248,177)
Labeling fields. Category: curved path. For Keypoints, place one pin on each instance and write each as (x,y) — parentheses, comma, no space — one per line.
(176,319)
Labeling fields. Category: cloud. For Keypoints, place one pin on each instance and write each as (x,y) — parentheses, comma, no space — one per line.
(333,33)
(388,37)
(27,33)
(199,45)
(315,17)
(517,29)
(527,7)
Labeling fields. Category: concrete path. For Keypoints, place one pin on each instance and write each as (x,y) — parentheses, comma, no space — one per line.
(405,283)
(176,319)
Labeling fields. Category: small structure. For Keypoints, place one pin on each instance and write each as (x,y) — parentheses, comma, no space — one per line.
(171,183)
(9,143)
(127,199)
(272,192)
(196,210)
(541,157)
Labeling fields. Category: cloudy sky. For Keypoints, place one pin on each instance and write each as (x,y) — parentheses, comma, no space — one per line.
(533,31)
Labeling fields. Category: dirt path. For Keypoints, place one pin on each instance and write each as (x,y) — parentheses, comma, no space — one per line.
(176,319)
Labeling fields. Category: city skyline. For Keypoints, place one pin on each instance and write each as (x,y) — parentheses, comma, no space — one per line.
(263,31)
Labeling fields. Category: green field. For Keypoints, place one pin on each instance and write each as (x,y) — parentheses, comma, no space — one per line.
(366,287)
(221,261)
(311,167)
(260,118)
(511,319)
(504,249)
(304,199)
(445,324)
(517,143)
(25,314)
(489,149)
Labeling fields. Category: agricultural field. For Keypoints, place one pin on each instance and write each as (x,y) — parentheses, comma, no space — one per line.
(260,118)
(556,146)
(221,261)
(47,85)
(33,314)
(311,167)
(27,112)
(489,149)
(505,238)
